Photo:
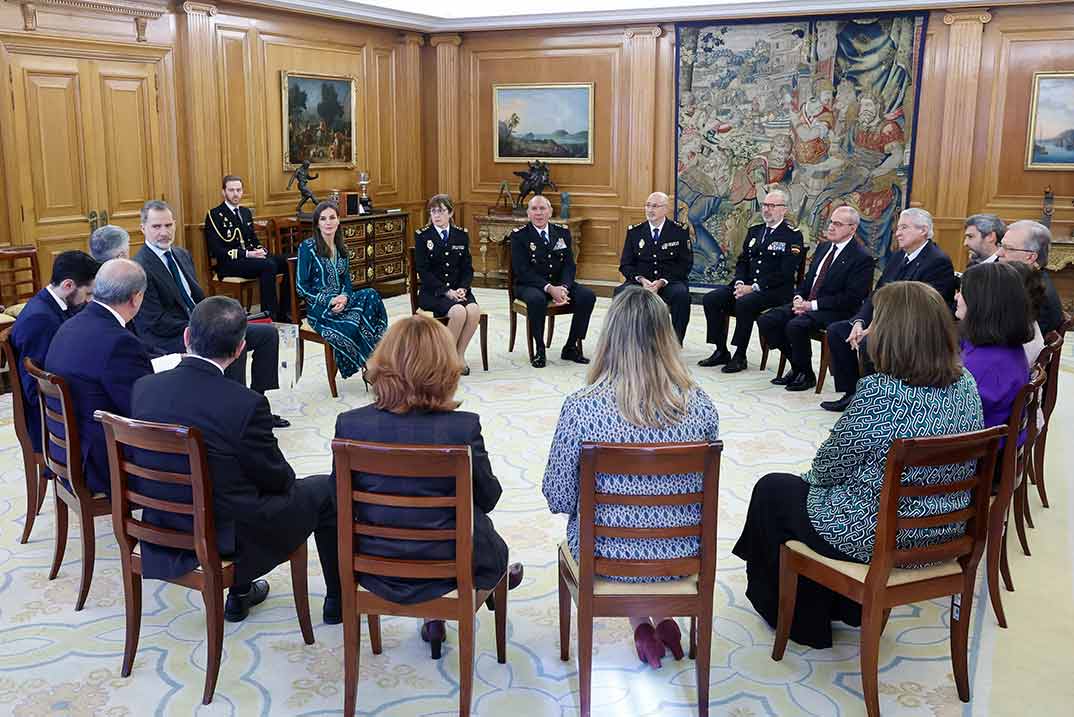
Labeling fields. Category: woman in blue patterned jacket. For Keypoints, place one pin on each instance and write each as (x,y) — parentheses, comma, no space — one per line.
(920,389)
(352,322)
(639,392)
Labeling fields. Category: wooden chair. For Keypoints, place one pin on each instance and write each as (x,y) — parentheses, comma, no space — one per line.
(518,306)
(881,585)
(33,462)
(243,290)
(20,278)
(306,332)
(214,575)
(287,235)
(597,596)
(820,335)
(1048,360)
(411,463)
(59,430)
(412,289)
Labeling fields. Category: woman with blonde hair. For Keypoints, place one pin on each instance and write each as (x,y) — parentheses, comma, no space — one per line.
(414,373)
(639,391)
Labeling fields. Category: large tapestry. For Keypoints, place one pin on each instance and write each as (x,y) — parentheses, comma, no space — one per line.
(823,108)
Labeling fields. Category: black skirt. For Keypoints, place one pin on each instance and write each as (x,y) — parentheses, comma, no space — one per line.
(440,304)
(777,514)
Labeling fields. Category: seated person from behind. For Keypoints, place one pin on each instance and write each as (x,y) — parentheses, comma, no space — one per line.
(101,360)
(639,391)
(919,389)
(414,373)
(350,321)
(445,268)
(1030,242)
(262,513)
(70,287)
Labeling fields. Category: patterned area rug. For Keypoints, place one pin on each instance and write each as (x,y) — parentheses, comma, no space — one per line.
(54,661)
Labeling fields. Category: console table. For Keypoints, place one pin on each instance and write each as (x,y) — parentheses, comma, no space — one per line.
(376,244)
(1061,267)
(494,247)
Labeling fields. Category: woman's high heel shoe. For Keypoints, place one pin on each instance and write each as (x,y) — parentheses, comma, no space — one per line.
(650,648)
(434,632)
(668,633)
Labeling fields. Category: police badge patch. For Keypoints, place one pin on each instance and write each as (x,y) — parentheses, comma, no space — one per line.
(429,245)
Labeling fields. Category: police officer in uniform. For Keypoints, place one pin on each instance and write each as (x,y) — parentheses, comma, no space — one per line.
(444,266)
(543,265)
(229,233)
(764,277)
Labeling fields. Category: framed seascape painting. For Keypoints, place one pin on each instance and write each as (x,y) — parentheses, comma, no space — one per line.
(318,120)
(1051,122)
(552,123)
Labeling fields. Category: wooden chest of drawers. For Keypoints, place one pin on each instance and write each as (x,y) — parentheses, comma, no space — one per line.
(376,244)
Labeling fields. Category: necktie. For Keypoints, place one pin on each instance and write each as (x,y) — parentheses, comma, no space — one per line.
(444,234)
(819,280)
(656,234)
(174,269)
(544,236)
(238,215)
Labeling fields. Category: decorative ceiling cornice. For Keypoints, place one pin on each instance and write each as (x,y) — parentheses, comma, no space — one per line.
(142,11)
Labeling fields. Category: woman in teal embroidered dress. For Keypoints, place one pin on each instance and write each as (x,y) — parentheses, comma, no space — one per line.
(351,322)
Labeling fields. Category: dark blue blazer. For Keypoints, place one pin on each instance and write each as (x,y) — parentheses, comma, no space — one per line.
(847,282)
(101,360)
(931,267)
(31,335)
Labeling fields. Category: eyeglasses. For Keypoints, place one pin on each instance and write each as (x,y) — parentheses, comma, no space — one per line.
(838,225)
(649,205)
(439,210)
(1007,247)
(766,205)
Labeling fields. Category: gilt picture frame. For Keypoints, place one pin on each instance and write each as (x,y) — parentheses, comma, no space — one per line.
(549,122)
(319,119)
(1050,138)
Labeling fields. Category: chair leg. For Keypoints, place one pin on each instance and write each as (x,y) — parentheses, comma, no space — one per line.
(703,657)
(782,365)
(872,617)
(1019,516)
(585,656)
(300,587)
(1004,564)
(992,559)
(373,621)
(33,502)
(564,618)
(514,329)
(42,488)
(693,637)
(960,634)
(1025,501)
(330,368)
(132,600)
(1038,468)
(764,354)
(530,338)
(466,664)
(788,595)
(484,328)
(89,554)
(352,635)
(822,373)
(501,620)
(213,596)
(551,330)
(300,355)
(61,535)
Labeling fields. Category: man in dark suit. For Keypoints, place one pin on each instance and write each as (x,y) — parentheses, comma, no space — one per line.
(918,259)
(232,241)
(764,277)
(68,290)
(1030,241)
(657,256)
(543,265)
(262,513)
(838,281)
(172,293)
(101,360)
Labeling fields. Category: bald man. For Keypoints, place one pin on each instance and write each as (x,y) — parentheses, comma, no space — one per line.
(657,256)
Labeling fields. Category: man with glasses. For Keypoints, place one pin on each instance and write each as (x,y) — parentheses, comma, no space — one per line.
(657,256)
(1029,241)
(764,277)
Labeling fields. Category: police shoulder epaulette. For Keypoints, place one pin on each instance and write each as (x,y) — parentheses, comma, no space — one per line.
(791,226)
(518,229)
(465,230)
(678,224)
(561,226)
(631,226)
(424,228)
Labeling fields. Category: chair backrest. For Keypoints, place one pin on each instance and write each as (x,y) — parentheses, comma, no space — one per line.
(122,434)
(412,281)
(1014,457)
(510,276)
(298,302)
(1068,322)
(59,429)
(648,459)
(266,234)
(982,448)
(412,463)
(1048,360)
(289,235)
(19,276)
(19,407)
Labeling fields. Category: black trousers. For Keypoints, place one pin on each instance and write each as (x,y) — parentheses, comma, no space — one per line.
(265,271)
(844,360)
(721,302)
(677,296)
(789,333)
(581,297)
(263,340)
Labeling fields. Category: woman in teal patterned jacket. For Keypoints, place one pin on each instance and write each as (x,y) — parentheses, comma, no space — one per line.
(351,322)
(920,389)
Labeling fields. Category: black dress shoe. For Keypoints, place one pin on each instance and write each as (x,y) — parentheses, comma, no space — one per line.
(238,606)
(332,611)
(716,358)
(802,381)
(465,370)
(538,361)
(736,364)
(280,422)
(839,405)
(573,353)
(434,632)
(784,379)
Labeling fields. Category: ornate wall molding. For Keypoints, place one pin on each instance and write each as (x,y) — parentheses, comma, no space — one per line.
(141,12)
(983,17)
(632,32)
(449,39)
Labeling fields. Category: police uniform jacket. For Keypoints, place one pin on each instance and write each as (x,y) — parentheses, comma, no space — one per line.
(227,237)
(669,257)
(770,263)
(536,263)
(442,265)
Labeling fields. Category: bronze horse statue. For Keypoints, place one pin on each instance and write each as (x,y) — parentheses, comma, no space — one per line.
(534,179)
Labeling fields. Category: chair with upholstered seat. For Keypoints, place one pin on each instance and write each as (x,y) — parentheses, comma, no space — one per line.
(306,332)
(214,574)
(241,289)
(19,280)
(33,462)
(412,464)
(518,306)
(412,285)
(886,582)
(62,453)
(597,596)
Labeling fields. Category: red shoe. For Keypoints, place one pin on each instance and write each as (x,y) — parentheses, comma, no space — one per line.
(648,645)
(668,633)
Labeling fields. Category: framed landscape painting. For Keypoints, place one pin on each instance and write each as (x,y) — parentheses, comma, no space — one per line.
(318,120)
(1051,122)
(552,123)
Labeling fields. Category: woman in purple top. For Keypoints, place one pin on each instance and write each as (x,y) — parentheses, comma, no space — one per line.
(994,321)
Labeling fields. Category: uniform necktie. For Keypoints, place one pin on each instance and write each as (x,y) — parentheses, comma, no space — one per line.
(444,234)
(824,266)
(544,236)
(174,269)
(656,234)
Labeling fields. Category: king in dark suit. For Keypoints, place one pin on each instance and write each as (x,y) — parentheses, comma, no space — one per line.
(262,513)
(838,281)
(657,256)
(918,259)
(101,359)
(543,265)
(233,243)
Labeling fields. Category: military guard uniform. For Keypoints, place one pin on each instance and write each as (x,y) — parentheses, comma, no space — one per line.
(769,261)
(540,259)
(660,254)
(442,261)
(229,235)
